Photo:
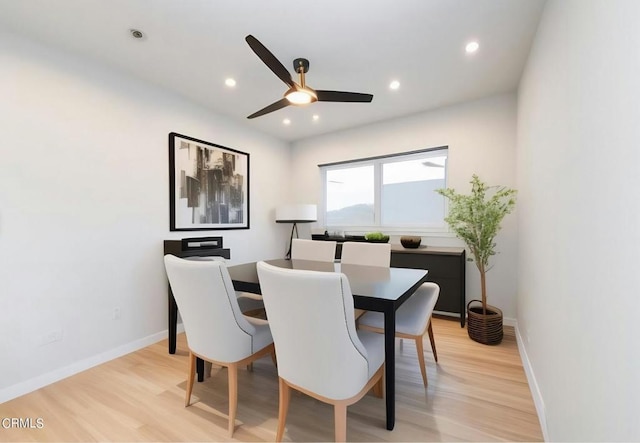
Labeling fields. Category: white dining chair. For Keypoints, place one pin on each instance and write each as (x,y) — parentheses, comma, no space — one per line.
(250,304)
(369,254)
(363,253)
(318,250)
(413,319)
(322,355)
(216,329)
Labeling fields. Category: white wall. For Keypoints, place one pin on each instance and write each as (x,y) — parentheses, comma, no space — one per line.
(579,218)
(481,136)
(84,208)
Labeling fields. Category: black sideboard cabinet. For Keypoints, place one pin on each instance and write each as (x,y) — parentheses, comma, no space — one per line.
(446,267)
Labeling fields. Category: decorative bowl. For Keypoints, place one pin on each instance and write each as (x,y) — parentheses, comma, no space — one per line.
(410,241)
(376,237)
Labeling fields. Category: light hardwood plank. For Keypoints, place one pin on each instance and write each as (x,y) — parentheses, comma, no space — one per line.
(475,393)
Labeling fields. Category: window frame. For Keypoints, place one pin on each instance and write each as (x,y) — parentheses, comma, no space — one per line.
(378,162)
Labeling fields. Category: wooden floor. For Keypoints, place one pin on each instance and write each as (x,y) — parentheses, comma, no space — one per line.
(475,393)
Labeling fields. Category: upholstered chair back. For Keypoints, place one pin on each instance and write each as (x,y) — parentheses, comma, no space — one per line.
(312,322)
(214,326)
(369,254)
(318,250)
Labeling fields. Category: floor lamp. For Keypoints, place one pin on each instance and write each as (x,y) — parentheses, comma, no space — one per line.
(295,214)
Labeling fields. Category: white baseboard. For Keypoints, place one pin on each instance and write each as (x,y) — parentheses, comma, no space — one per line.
(48,378)
(533,384)
(505,320)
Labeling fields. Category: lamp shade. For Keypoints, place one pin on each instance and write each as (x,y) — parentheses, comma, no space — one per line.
(296,214)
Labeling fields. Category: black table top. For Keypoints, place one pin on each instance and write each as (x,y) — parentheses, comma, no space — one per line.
(371,286)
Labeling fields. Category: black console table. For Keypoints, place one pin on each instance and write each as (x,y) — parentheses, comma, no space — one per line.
(446,268)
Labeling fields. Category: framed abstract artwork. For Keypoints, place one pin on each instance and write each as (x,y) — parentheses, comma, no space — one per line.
(208,185)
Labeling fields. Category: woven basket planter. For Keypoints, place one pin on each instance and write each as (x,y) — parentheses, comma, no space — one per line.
(485,329)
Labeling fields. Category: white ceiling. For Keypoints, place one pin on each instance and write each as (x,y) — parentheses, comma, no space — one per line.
(192,46)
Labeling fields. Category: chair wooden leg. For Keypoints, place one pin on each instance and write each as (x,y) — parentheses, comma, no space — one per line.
(433,341)
(420,350)
(190,377)
(283,408)
(207,369)
(233,397)
(340,417)
(378,388)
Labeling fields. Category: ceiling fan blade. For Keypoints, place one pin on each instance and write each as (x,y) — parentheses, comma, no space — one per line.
(272,107)
(270,60)
(341,96)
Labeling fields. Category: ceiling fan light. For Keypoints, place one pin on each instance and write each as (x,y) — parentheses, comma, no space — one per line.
(299,97)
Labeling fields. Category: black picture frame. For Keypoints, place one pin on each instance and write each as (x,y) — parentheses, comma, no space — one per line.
(208,185)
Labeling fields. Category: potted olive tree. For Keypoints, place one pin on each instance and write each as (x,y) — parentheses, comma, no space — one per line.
(475,219)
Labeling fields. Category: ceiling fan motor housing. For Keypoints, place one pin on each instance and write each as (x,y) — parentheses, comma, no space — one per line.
(298,94)
(301,63)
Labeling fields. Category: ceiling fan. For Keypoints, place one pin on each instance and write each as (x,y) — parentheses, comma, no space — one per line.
(298,93)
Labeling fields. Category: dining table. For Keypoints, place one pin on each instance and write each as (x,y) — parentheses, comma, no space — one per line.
(374,288)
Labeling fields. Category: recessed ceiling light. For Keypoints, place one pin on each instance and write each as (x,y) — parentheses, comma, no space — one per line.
(230,82)
(394,84)
(316,117)
(136,33)
(286,121)
(472,47)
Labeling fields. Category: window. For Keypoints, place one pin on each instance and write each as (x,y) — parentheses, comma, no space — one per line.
(350,195)
(391,193)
